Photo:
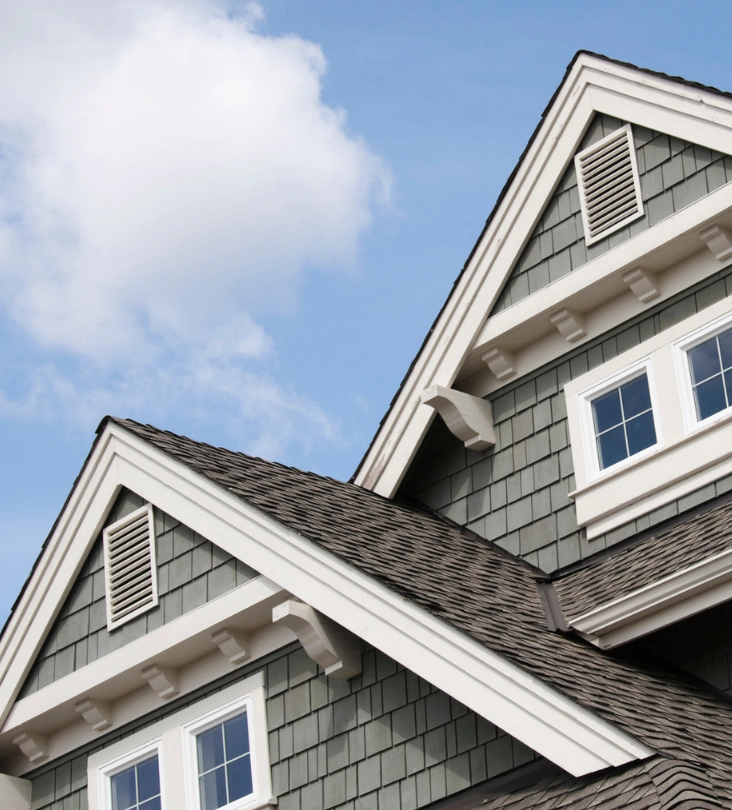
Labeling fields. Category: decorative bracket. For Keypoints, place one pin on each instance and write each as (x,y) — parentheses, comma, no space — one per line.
(502,363)
(163,680)
(719,241)
(467,417)
(233,644)
(97,713)
(33,745)
(328,644)
(643,284)
(570,323)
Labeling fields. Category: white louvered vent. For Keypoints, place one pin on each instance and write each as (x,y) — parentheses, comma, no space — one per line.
(609,186)
(129,567)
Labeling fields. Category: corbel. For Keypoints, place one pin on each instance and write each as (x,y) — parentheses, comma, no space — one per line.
(501,362)
(570,324)
(233,644)
(719,241)
(467,417)
(163,680)
(325,642)
(97,713)
(34,745)
(642,283)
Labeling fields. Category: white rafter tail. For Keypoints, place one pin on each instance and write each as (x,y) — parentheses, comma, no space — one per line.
(719,241)
(643,284)
(570,324)
(163,680)
(234,645)
(467,417)
(328,644)
(33,745)
(501,362)
(97,713)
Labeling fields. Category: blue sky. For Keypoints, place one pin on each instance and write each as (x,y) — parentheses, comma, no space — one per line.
(238,221)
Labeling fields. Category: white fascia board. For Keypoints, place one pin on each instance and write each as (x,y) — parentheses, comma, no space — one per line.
(594,85)
(522,705)
(671,599)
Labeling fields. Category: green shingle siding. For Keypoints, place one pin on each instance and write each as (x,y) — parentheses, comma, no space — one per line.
(673,174)
(517,493)
(191,572)
(386,739)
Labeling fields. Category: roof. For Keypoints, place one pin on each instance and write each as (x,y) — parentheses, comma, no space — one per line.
(502,194)
(477,589)
(648,558)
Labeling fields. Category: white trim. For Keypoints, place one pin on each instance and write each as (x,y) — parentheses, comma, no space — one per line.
(667,601)
(593,85)
(589,439)
(122,763)
(519,703)
(168,735)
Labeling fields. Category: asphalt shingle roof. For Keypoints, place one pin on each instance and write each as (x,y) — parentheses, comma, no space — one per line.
(479,590)
(658,554)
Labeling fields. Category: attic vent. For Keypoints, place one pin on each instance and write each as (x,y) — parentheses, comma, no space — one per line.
(129,567)
(609,188)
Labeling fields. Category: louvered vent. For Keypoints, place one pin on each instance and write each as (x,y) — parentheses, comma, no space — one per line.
(609,187)
(129,565)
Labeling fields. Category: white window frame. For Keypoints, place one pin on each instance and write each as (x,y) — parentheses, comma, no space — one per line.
(122,763)
(172,737)
(683,372)
(155,600)
(589,439)
(204,723)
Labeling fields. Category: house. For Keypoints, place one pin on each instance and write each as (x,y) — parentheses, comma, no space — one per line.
(521,600)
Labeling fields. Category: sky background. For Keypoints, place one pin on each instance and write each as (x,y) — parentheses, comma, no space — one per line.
(238,221)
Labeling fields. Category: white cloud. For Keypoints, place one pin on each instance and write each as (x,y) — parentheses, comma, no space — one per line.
(167,176)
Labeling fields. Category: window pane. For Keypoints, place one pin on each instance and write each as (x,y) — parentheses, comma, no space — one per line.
(725,348)
(124,794)
(636,397)
(606,410)
(213,789)
(237,736)
(641,433)
(152,804)
(710,397)
(704,360)
(148,779)
(210,749)
(611,447)
(240,777)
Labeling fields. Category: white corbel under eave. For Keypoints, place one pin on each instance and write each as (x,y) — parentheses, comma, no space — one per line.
(467,417)
(328,644)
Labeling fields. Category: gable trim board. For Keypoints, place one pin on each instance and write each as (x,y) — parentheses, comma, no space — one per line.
(522,705)
(593,84)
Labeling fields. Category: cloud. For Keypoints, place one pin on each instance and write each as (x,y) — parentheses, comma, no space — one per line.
(168,175)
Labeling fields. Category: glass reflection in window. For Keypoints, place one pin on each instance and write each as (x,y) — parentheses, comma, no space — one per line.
(138,787)
(710,364)
(224,763)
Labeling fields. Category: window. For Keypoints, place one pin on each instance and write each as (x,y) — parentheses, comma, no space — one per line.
(623,421)
(710,367)
(219,758)
(212,754)
(130,569)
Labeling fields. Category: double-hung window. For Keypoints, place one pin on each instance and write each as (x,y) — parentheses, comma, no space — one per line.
(137,787)
(710,370)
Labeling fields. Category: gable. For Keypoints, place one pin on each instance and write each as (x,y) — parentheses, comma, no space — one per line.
(191,571)
(673,174)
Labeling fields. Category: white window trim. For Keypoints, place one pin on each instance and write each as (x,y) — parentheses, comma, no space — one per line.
(190,762)
(589,439)
(127,760)
(111,623)
(683,373)
(170,736)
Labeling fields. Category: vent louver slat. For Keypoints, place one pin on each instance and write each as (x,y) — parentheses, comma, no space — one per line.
(130,568)
(608,185)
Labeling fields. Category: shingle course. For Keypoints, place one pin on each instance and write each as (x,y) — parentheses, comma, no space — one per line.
(477,589)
